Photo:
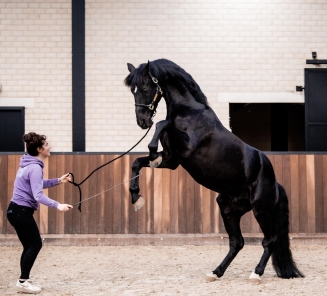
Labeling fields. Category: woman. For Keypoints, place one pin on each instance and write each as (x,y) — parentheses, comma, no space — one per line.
(26,198)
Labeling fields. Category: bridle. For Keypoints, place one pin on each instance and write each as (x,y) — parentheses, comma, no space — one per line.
(153,105)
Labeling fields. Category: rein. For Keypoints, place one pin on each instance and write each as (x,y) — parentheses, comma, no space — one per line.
(79,184)
(154,103)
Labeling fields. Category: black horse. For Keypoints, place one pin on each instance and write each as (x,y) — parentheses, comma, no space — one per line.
(192,136)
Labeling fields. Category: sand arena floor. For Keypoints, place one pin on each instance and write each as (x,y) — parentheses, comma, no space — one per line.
(160,270)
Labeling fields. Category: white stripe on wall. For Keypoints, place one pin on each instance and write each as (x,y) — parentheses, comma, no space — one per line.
(17,102)
(278,97)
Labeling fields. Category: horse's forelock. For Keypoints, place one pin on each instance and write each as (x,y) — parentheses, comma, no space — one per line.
(135,78)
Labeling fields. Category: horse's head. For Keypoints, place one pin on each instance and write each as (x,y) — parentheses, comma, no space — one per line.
(146,92)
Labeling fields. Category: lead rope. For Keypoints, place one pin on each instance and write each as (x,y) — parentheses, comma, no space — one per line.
(79,184)
(107,190)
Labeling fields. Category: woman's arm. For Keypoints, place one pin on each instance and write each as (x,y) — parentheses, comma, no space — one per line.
(56,181)
(36,182)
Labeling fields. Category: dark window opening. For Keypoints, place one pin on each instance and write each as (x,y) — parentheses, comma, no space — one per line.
(12,127)
(315,109)
(269,126)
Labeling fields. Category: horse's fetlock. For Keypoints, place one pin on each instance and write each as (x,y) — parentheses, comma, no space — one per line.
(218,271)
(135,167)
(153,156)
(259,270)
(135,197)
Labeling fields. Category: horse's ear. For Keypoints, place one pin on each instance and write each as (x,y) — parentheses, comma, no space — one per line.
(130,67)
(146,70)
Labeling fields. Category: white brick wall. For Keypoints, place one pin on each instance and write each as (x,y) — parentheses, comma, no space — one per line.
(230,47)
(35,64)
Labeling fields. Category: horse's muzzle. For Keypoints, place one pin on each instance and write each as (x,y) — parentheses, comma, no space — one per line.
(144,124)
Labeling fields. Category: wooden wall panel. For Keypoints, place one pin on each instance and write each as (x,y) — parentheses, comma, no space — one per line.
(174,202)
(181,201)
(165,222)
(302,198)
(174,181)
(197,208)
(205,209)
(13,164)
(140,216)
(4,194)
(68,193)
(189,204)
(293,195)
(318,189)
(324,191)
(118,201)
(79,175)
(311,194)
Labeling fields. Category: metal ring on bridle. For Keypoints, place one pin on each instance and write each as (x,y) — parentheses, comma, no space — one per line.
(155,80)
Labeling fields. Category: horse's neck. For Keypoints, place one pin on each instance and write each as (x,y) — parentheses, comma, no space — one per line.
(173,98)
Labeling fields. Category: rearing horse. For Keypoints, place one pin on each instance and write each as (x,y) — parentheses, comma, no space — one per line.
(192,136)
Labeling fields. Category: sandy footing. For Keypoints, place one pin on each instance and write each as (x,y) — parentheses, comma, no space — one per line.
(160,270)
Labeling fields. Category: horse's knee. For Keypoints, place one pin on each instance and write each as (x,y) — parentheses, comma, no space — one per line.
(153,147)
(136,166)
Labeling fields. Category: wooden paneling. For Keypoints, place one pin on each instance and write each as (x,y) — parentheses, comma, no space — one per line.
(324,192)
(174,202)
(3,193)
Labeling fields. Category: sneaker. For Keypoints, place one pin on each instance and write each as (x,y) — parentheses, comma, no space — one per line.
(28,287)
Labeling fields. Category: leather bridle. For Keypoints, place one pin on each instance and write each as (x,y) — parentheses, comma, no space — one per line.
(153,105)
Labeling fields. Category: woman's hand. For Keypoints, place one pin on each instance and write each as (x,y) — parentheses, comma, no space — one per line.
(64,207)
(65,178)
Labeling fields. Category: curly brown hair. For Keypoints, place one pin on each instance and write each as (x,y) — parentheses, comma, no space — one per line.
(32,142)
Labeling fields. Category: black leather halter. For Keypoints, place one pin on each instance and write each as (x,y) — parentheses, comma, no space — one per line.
(154,103)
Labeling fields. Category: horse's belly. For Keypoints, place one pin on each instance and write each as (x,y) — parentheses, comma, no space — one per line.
(218,179)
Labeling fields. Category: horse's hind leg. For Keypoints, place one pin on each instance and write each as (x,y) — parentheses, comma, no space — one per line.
(263,206)
(231,213)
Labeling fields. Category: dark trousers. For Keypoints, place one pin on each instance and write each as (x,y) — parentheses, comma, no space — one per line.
(21,218)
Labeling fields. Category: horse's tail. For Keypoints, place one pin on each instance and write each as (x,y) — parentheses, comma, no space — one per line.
(282,259)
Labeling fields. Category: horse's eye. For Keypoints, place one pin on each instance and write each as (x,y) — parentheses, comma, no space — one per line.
(144,89)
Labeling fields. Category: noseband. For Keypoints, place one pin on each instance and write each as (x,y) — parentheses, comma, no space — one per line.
(154,103)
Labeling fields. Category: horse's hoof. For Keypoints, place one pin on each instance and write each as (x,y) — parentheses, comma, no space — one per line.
(255,278)
(211,277)
(155,163)
(139,203)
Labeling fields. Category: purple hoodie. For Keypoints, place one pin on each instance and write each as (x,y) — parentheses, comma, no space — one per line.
(29,184)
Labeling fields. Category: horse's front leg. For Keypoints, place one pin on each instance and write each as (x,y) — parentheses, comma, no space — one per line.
(134,189)
(156,157)
(169,162)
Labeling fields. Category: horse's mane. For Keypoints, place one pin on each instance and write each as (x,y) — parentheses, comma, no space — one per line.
(165,70)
